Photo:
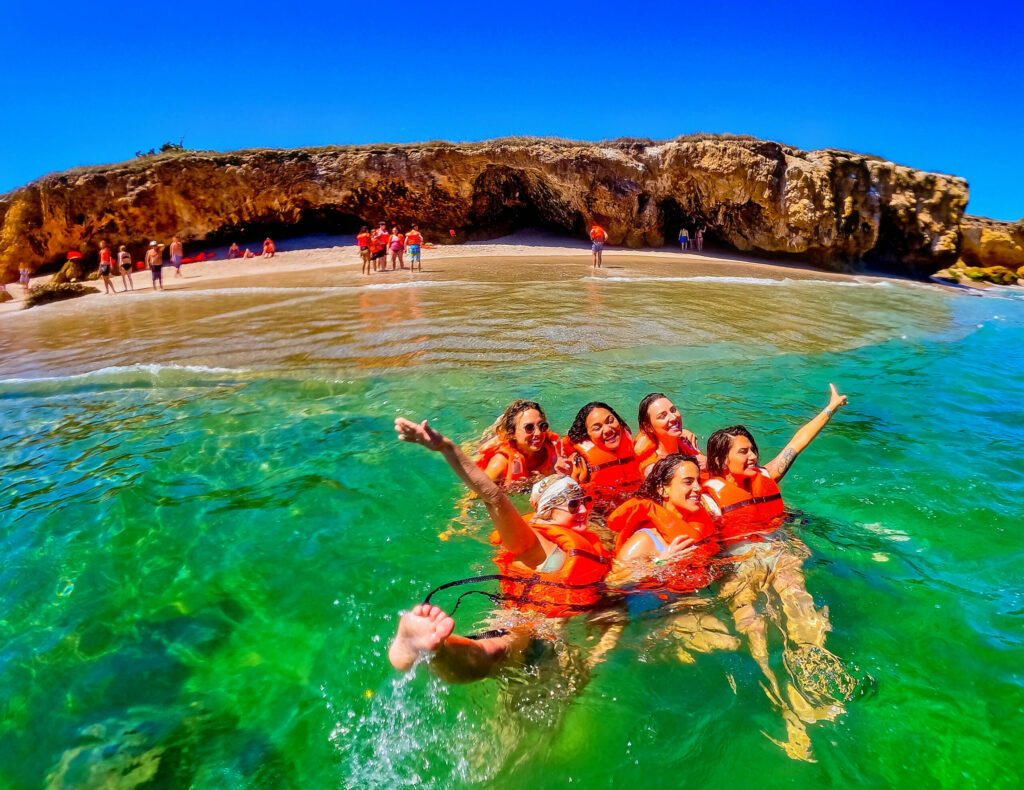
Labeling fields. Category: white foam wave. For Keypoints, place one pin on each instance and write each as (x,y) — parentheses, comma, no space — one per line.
(124,372)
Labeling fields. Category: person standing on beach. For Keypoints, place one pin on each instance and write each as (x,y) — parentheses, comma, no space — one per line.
(700,239)
(24,275)
(396,243)
(379,247)
(684,239)
(413,240)
(176,254)
(598,236)
(155,262)
(106,265)
(363,242)
(124,263)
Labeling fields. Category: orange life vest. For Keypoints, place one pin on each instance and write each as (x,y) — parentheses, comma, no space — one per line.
(413,237)
(597,233)
(646,450)
(517,468)
(689,574)
(573,588)
(610,476)
(363,240)
(741,513)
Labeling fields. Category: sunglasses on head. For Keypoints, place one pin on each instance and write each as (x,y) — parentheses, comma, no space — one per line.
(539,426)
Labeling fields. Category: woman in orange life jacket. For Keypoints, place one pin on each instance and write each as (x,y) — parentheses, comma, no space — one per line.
(522,446)
(667,544)
(552,567)
(599,449)
(662,433)
(747,505)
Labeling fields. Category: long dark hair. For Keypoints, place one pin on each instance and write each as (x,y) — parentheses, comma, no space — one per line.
(643,419)
(505,427)
(661,474)
(718,448)
(578,430)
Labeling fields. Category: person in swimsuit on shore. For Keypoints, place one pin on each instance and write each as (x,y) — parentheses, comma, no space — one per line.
(234,251)
(24,275)
(363,242)
(269,250)
(598,237)
(154,260)
(413,240)
(106,266)
(700,239)
(177,252)
(124,263)
(396,243)
(684,239)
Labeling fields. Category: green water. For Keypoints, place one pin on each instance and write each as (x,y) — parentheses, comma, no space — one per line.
(209,529)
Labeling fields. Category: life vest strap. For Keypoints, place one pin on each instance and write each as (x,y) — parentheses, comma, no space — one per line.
(609,464)
(757,500)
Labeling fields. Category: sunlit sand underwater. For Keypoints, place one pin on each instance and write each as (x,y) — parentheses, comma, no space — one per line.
(210,529)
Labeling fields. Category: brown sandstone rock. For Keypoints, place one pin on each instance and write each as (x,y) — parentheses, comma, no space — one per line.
(828,207)
(990,242)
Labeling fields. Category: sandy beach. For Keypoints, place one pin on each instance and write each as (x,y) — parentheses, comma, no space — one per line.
(334,260)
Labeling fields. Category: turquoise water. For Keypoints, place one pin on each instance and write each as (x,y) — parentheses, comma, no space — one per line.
(209,529)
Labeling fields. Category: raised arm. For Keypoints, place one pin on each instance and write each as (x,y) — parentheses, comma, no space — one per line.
(780,464)
(516,535)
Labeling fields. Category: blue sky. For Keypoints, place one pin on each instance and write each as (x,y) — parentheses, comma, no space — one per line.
(936,87)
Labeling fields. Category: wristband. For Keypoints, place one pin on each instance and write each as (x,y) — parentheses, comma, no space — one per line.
(829,411)
(659,561)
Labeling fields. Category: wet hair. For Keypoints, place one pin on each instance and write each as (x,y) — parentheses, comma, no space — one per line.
(718,448)
(660,475)
(578,430)
(643,419)
(505,427)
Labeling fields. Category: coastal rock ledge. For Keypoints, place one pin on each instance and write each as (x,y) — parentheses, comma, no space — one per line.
(826,207)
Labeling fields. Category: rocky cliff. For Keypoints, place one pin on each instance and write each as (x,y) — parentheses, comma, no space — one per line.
(828,207)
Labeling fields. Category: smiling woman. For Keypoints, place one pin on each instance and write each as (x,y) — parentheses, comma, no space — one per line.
(602,455)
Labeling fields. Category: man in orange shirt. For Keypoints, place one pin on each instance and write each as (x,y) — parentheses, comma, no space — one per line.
(598,236)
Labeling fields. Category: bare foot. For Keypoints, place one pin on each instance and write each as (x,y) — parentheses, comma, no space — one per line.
(423,629)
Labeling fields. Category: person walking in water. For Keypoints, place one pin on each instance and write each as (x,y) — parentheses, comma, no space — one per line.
(177,251)
(124,263)
(598,236)
(155,262)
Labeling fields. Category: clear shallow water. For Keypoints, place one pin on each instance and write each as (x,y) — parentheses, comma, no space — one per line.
(209,529)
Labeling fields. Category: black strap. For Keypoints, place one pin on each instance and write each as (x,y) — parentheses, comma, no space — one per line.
(757,500)
(609,464)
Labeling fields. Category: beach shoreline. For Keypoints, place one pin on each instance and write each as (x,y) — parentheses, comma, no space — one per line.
(318,255)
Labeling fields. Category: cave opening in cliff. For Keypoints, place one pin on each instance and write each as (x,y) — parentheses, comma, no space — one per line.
(676,217)
(319,221)
(506,200)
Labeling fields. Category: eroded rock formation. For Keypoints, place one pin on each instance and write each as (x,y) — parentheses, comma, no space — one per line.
(827,207)
(990,242)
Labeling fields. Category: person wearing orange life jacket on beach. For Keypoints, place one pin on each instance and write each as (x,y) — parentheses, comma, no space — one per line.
(363,242)
(598,237)
(413,242)
(661,433)
(379,247)
(522,446)
(598,449)
(746,503)
(551,564)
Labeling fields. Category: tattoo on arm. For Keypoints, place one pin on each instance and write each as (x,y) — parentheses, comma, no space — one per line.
(784,461)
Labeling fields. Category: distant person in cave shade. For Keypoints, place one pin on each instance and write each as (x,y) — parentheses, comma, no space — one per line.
(177,252)
(700,239)
(24,275)
(268,248)
(684,239)
(155,262)
(363,242)
(598,236)
(234,251)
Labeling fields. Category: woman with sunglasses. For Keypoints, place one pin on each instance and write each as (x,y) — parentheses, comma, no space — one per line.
(662,433)
(551,563)
(522,446)
(600,449)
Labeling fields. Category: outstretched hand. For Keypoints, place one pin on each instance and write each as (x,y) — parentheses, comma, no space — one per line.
(836,399)
(418,433)
(677,549)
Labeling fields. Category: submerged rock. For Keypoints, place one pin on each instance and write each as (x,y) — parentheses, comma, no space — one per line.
(827,207)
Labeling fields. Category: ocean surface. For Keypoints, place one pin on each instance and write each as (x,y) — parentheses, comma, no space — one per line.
(209,530)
